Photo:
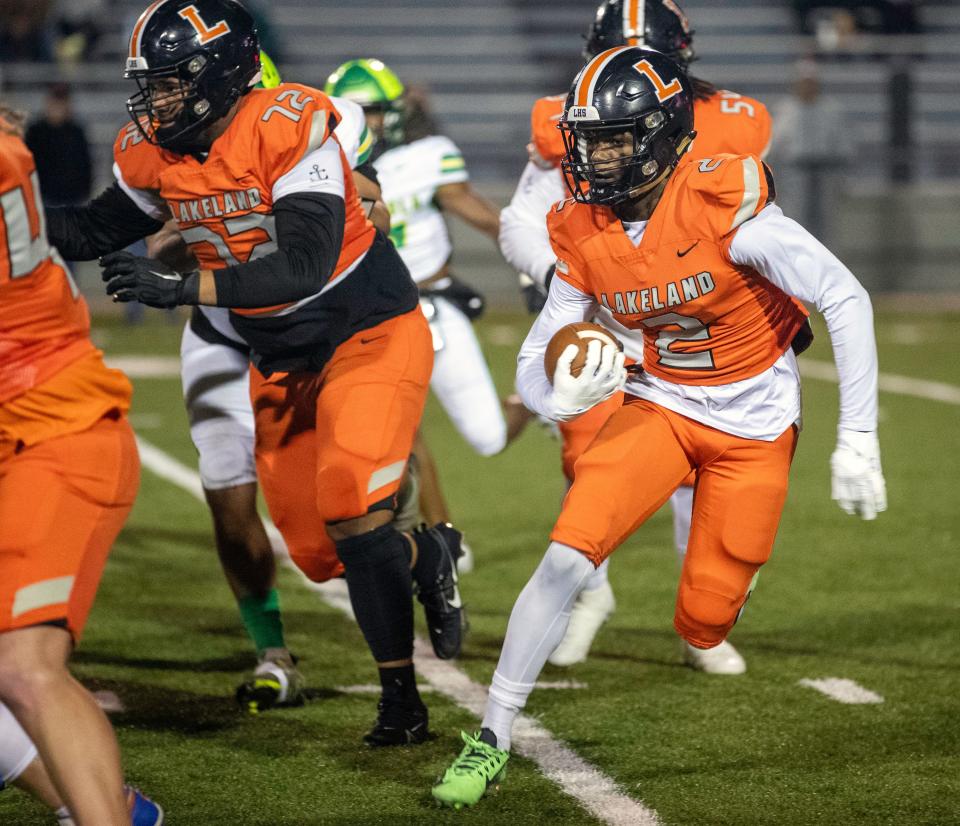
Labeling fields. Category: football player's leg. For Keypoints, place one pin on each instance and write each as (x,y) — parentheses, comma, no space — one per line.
(217,398)
(368,410)
(595,603)
(462,382)
(286,454)
(48,580)
(736,512)
(432,501)
(21,766)
(624,476)
(723,658)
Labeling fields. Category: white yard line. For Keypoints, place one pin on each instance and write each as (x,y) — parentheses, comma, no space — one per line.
(596,792)
(842,690)
(370,688)
(889,382)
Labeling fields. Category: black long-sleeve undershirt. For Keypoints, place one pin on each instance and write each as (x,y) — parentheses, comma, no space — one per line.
(110,222)
(309,234)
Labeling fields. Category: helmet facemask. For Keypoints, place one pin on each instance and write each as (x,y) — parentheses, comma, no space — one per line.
(609,182)
(175,104)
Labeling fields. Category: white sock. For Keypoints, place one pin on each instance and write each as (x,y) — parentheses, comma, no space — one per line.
(63,817)
(681,503)
(537,624)
(16,748)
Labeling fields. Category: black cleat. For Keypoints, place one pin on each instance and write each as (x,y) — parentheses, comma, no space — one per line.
(399,723)
(435,584)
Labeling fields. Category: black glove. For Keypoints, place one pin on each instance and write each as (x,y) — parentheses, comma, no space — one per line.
(151,282)
(533,294)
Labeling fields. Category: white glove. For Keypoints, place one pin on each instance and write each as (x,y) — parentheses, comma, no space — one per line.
(603,375)
(858,485)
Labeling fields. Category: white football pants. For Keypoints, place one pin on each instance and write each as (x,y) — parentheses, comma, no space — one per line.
(462,383)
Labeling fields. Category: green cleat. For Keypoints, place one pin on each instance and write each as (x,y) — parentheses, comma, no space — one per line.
(477,767)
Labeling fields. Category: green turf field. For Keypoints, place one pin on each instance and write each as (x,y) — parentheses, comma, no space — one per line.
(873,602)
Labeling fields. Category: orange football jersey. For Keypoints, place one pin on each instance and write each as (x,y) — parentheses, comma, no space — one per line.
(52,379)
(705,319)
(223,204)
(730,123)
(545,139)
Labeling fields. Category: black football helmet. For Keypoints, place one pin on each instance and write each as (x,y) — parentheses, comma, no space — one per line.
(624,92)
(192,60)
(652,24)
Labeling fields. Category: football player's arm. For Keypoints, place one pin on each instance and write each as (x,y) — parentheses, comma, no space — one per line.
(524,240)
(111,221)
(309,236)
(309,213)
(785,253)
(469,205)
(368,188)
(565,305)
(169,247)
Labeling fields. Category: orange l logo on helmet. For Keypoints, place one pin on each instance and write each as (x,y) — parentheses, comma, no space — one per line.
(664,91)
(206,33)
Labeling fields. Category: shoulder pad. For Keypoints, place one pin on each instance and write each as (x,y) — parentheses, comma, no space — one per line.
(545,137)
(284,124)
(139,161)
(730,189)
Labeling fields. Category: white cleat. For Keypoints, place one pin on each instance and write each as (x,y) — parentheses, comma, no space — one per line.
(721,659)
(590,611)
(465,562)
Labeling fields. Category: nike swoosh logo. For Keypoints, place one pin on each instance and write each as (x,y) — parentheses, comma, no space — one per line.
(681,254)
(372,338)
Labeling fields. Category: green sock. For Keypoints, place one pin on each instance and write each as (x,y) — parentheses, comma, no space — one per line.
(261,617)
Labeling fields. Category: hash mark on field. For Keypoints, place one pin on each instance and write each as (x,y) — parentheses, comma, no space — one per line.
(843,690)
(596,792)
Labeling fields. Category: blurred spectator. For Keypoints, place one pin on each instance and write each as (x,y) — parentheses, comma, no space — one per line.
(24,35)
(810,150)
(79,28)
(59,145)
(884,16)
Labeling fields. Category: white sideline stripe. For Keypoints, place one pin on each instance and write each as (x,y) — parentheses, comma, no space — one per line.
(889,382)
(146,367)
(842,690)
(370,688)
(596,792)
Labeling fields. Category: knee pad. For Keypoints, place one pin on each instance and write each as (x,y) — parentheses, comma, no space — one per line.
(705,614)
(489,439)
(226,453)
(563,565)
(318,562)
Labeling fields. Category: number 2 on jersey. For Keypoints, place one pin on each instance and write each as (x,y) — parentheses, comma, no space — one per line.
(691,329)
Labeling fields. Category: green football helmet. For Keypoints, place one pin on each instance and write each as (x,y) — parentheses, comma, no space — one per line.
(269,75)
(377,89)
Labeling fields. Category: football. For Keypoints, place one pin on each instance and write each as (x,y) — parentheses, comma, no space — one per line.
(579,334)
